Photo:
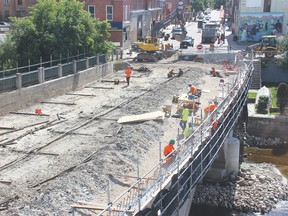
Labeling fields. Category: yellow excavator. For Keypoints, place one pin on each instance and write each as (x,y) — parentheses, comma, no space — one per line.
(268,46)
(151,43)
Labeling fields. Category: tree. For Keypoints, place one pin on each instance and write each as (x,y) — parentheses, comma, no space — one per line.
(198,5)
(58,28)
(283,45)
(282,97)
(218,3)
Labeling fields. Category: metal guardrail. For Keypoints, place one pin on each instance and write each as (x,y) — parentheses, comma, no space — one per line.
(31,77)
(164,188)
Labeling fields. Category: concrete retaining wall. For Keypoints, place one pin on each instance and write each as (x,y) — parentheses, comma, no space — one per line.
(25,97)
(274,127)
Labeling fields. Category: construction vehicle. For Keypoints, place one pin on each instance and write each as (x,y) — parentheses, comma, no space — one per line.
(268,46)
(151,43)
(209,32)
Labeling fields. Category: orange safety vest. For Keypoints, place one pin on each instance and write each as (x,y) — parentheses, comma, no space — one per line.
(209,108)
(214,124)
(128,72)
(193,90)
(167,150)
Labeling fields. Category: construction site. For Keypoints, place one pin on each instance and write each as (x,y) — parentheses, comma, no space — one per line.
(86,147)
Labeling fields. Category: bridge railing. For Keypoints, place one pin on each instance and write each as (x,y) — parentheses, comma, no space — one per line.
(166,187)
(8,78)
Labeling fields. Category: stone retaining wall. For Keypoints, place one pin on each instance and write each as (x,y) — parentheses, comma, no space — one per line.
(270,126)
(25,97)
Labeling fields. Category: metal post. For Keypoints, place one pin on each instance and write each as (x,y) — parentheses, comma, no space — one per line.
(17,67)
(51,60)
(201,127)
(160,167)
(29,64)
(109,200)
(40,61)
(60,58)
(178,172)
(138,189)
(78,55)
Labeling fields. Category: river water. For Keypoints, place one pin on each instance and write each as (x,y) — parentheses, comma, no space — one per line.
(278,157)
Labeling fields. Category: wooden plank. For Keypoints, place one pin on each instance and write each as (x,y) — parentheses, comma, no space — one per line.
(79,94)
(61,103)
(34,114)
(99,87)
(7,128)
(72,133)
(158,115)
(5,181)
(99,208)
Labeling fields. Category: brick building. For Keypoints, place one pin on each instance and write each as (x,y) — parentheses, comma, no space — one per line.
(129,19)
(18,8)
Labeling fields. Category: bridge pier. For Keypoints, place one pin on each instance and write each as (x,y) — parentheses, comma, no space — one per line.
(227,161)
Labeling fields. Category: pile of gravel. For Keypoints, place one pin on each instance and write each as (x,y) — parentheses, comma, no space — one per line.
(256,188)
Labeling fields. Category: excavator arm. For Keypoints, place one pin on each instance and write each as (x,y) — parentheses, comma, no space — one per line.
(177,13)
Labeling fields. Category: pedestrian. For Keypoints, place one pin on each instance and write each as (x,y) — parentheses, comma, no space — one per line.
(223,38)
(184,117)
(168,149)
(128,73)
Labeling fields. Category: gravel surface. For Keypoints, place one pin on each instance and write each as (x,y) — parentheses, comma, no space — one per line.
(72,154)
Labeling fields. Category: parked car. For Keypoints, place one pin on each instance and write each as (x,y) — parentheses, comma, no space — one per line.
(188,41)
(175,32)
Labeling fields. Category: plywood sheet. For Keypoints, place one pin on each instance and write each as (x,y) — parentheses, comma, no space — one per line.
(158,115)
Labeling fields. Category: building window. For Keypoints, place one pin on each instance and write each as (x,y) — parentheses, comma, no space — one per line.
(91,9)
(6,14)
(126,12)
(267,6)
(20,2)
(6,2)
(109,12)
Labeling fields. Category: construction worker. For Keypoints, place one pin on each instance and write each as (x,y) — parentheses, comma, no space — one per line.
(193,90)
(128,73)
(213,72)
(168,149)
(214,126)
(208,109)
(184,117)
(170,73)
(188,130)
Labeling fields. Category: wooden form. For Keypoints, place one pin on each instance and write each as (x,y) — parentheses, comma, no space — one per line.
(62,103)
(183,100)
(79,94)
(99,87)
(158,115)
(7,128)
(5,181)
(99,208)
(33,114)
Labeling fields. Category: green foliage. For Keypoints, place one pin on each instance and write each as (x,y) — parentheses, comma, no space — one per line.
(198,5)
(282,97)
(57,28)
(252,95)
(218,3)
(262,105)
(283,46)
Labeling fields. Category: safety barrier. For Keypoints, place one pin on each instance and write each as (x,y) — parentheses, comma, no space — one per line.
(165,188)
(9,83)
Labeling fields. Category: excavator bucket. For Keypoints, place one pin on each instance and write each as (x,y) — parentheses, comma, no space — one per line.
(181,37)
